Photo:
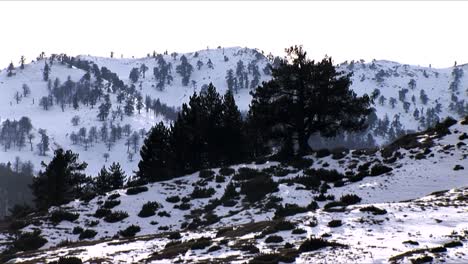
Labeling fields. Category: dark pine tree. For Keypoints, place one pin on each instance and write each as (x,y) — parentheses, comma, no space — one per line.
(305,97)
(61,180)
(156,156)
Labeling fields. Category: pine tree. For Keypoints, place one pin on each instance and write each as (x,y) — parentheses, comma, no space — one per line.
(10,69)
(102,181)
(156,156)
(134,75)
(185,70)
(233,142)
(305,97)
(143,69)
(116,176)
(61,180)
(230,80)
(22,61)
(46,72)
(129,106)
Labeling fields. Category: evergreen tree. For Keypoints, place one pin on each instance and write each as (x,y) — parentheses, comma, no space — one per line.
(43,145)
(102,181)
(185,70)
(134,75)
(22,61)
(10,69)
(143,69)
(233,142)
(116,176)
(156,156)
(61,180)
(423,97)
(46,72)
(199,64)
(129,106)
(210,64)
(230,79)
(305,97)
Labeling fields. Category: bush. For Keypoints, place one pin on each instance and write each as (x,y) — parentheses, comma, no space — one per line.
(274,239)
(201,243)
(423,259)
(325,175)
(205,174)
(350,199)
(77,230)
(163,214)
(86,234)
(62,215)
(116,216)
(130,231)
(374,210)
(148,209)
(288,210)
(18,224)
(356,178)
(174,236)
(284,225)
(321,153)
(244,174)
(309,181)
(257,188)
(220,179)
(453,244)
(214,248)
(298,231)
(113,196)
(335,223)
(111,204)
(313,244)
(301,163)
(322,197)
(273,258)
(379,169)
(29,241)
(185,206)
(67,260)
(136,190)
(226,171)
(201,193)
(173,199)
(102,212)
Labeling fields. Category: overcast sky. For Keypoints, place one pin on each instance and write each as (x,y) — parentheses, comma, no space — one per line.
(420,33)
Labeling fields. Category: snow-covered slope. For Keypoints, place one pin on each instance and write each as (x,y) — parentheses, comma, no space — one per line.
(393,78)
(392,223)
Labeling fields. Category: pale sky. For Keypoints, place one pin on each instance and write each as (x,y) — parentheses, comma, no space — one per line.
(419,32)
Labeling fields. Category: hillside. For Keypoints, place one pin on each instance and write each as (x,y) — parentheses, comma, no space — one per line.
(398,204)
(442,87)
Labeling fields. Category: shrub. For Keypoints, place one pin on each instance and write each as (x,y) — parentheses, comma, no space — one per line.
(274,239)
(136,190)
(77,230)
(356,178)
(338,183)
(247,174)
(312,244)
(423,259)
(174,236)
(67,260)
(102,212)
(288,210)
(86,234)
(116,216)
(453,244)
(322,197)
(379,169)
(301,163)
(201,193)
(62,215)
(163,214)
(130,231)
(29,241)
(173,199)
(335,223)
(325,175)
(298,231)
(458,167)
(92,223)
(374,210)
(205,174)
(113,196)
(226,171)
(201,243)
(220,178)
(256,189)
(284,225)
(350,199)
(321,153)
(309,181)
(111,204)
(185,206)
(148,209)
(271,258)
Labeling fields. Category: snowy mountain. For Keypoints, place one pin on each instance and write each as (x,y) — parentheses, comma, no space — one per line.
(403,203)
(398,98)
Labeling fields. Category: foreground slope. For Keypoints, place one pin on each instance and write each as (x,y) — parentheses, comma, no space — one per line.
(398,219)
